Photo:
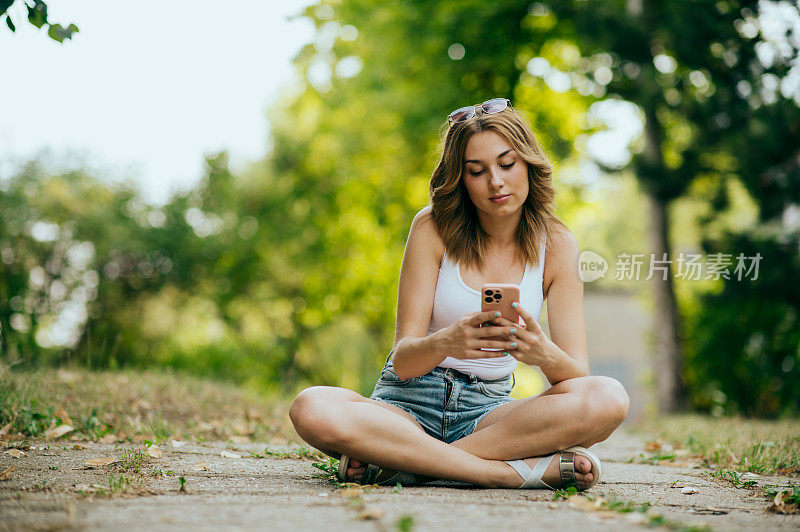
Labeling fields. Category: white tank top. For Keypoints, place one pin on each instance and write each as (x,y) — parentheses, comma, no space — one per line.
(453,298)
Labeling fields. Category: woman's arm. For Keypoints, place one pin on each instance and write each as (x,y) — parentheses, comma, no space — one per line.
(567,352)
(415,353)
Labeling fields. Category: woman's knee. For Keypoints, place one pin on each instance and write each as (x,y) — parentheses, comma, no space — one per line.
(610,401)
(313,414)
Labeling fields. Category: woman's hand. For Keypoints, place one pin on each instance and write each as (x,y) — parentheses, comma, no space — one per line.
(528,344)
(465,338)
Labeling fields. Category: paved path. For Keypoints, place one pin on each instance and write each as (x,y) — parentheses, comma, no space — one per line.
(284,494)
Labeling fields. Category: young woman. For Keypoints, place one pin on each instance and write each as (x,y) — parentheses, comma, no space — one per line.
(441,408)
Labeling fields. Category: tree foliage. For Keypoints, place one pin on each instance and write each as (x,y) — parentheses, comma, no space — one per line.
(37,16)
(287,273)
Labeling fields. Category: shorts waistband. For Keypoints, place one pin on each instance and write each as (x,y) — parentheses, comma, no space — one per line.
(455,374)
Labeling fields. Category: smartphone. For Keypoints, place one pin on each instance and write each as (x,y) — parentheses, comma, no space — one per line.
(495,296)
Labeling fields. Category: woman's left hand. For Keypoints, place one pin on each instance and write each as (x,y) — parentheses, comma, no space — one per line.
(529,344)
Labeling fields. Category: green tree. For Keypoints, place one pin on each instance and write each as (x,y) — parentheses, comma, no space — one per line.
(37,16)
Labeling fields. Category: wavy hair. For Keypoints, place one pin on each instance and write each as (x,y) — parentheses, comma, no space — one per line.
(452,210)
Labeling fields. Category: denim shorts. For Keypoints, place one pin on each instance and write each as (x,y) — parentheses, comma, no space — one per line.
(447,403)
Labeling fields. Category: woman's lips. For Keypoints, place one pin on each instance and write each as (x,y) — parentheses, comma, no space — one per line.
(499,200)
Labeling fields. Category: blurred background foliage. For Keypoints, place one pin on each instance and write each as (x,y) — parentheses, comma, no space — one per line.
(285,274)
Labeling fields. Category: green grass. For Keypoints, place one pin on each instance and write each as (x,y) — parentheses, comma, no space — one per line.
(738,444)
(330,471)
(131,460)
(301,452)
(564,493)
(138,405)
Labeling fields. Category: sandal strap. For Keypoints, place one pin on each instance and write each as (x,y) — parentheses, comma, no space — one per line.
(532,477)
(566,467)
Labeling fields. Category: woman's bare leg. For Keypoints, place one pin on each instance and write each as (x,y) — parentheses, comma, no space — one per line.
(339,420)
(581,411)
(344,421)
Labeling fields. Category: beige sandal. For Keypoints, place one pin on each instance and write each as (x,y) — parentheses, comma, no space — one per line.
(378,475)
(532,478)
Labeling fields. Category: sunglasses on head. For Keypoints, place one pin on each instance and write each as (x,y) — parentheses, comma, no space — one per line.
(495,105)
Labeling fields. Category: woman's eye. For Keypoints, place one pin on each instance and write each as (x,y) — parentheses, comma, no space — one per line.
(507,165)
(476,173)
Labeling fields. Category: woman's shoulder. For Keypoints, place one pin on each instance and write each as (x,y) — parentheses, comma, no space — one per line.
(424,232)
(561,255)
(561,241)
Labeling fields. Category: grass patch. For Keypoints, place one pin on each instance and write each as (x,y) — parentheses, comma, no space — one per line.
(739,444)
(131,460)
(132,405)
(301,452)
(330,471)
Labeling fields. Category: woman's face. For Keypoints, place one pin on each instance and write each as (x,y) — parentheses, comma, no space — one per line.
(495,176)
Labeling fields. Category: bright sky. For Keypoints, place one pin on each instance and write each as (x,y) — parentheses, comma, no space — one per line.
(146,88)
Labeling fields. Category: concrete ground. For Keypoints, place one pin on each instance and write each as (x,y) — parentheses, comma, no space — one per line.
(52,488)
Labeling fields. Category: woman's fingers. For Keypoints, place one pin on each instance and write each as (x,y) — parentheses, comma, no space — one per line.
(482,317)
(529,320)
(488,332)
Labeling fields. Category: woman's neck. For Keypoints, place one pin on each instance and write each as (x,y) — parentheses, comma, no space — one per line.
(502,231)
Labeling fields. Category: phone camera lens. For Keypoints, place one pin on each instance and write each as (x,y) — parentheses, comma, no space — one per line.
(498,297)
(488,292)
(488,299)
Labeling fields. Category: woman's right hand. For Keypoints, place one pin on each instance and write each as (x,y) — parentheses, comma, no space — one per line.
(465,338)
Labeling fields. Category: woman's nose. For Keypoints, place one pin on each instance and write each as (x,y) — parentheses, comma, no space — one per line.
(495,180)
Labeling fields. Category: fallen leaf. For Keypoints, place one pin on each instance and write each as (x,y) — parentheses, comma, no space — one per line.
(352,491)
(652,446)
(371,513)
(200,466)
(228,454)
(176,443)
(16,453)
(154,452)
(78,446)
(688,490)
(62,414)
(582,503)
(779,505)
(6,428)
(109,438)
(99,462)
(56,432)
(6,475)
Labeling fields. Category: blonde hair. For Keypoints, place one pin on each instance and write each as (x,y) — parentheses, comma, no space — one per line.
(455,215)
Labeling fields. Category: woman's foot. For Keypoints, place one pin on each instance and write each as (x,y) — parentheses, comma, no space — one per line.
(355,470)
(552,475)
